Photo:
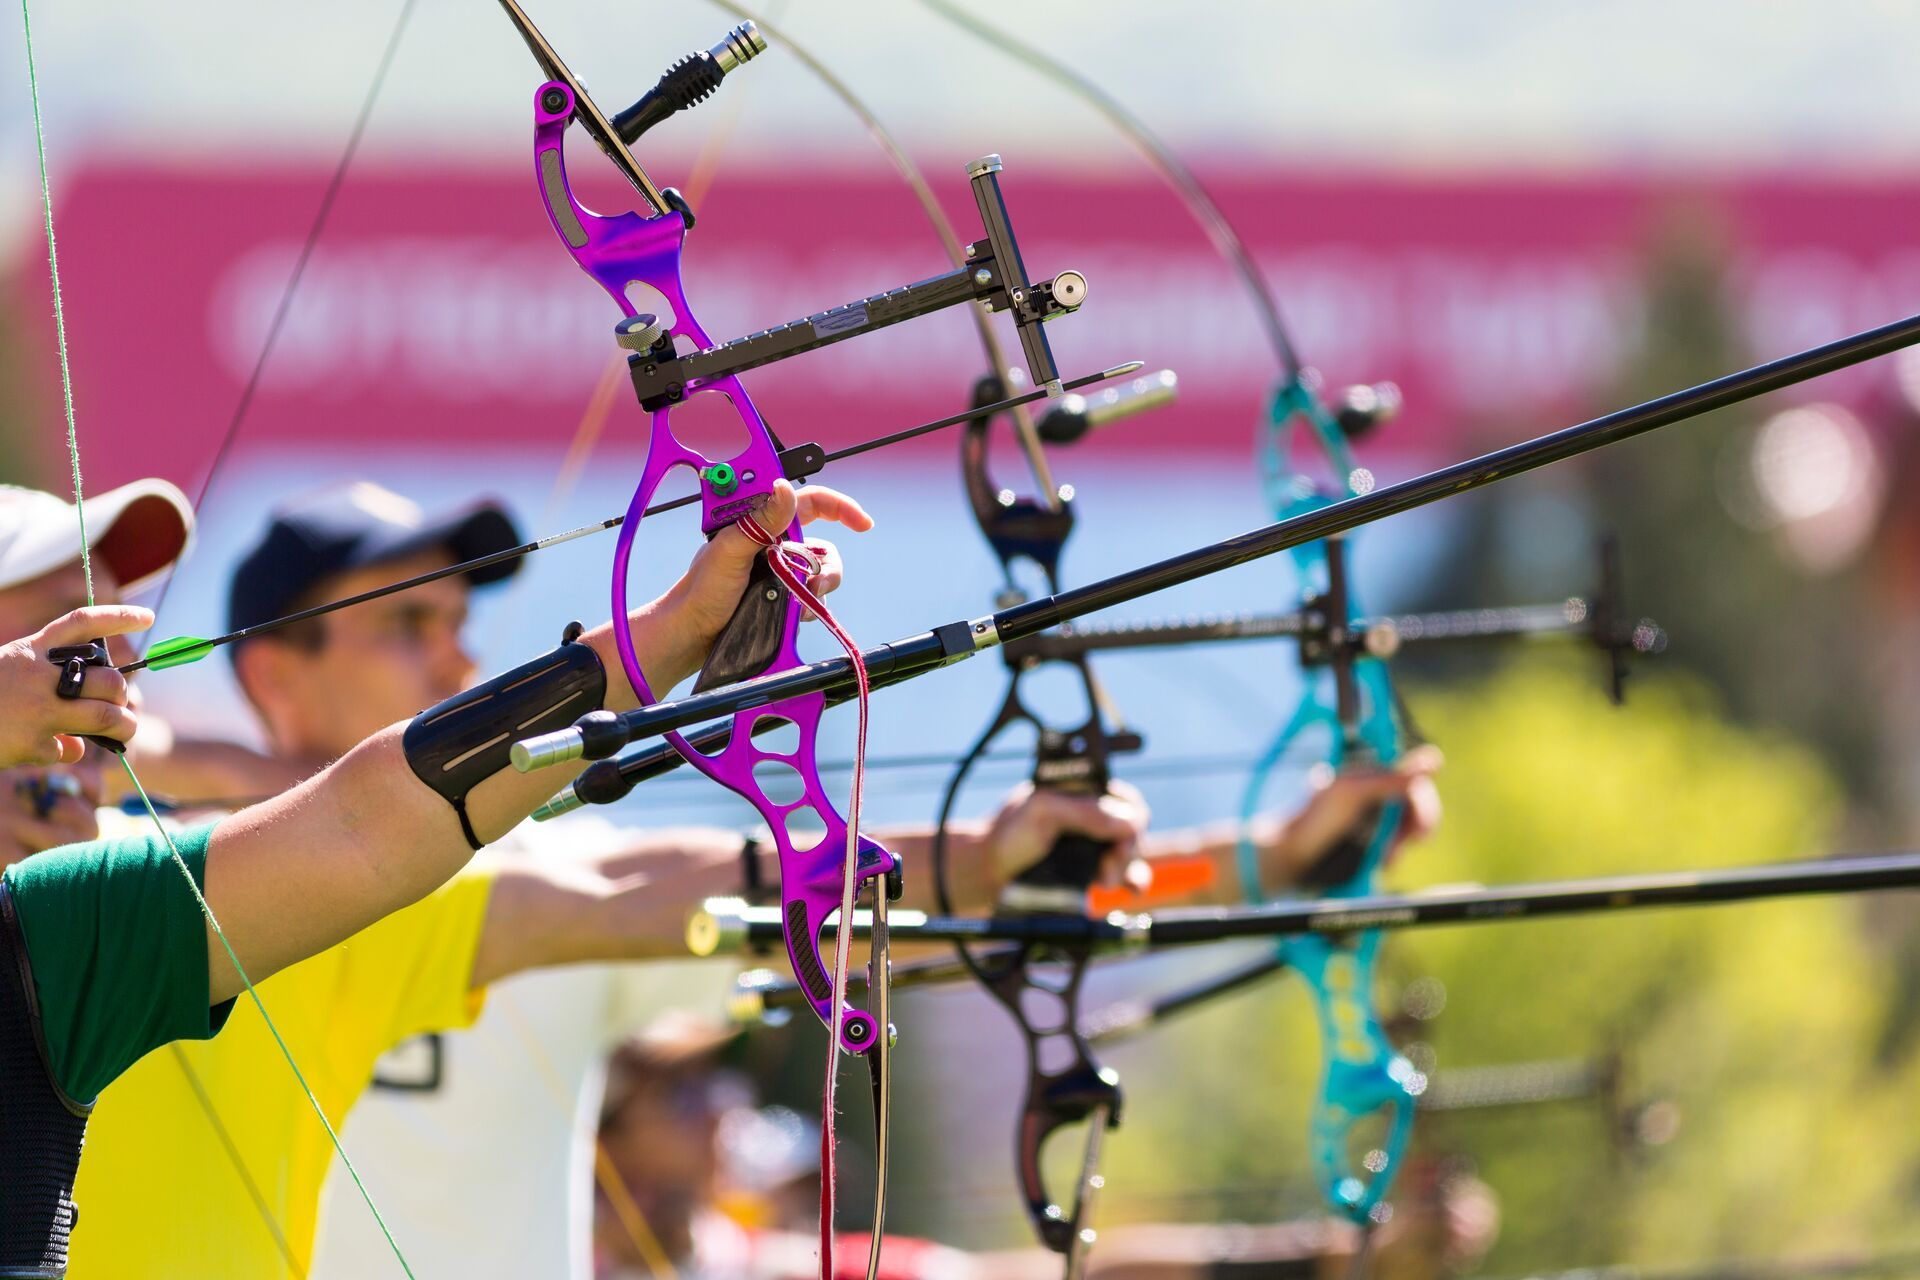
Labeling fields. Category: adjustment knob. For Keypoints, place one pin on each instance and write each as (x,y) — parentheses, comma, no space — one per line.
(721,478)
(742,43)
(1360,409)
(1381,640)
(638,333)
(1069,290)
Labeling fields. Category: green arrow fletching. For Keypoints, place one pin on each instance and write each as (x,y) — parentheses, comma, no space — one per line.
(178,652)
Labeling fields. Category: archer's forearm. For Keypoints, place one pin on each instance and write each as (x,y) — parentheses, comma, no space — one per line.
(308,869)
(667,653)
(203,768)
(301,872)
(501,802)
(1200,866)
(969,867)
(297,874)
(630,904)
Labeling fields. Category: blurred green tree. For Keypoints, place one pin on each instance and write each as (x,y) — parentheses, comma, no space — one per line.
(1751,619)
(1753,1026)
(1785,645)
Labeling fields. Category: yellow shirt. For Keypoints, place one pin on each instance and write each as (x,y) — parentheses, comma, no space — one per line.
(159,1193)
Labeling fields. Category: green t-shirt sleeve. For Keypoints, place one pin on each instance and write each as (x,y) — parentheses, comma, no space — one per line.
(118,947)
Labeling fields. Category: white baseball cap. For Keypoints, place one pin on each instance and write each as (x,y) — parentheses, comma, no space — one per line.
(138,530)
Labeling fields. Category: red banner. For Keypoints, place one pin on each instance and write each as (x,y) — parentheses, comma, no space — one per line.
(439,310)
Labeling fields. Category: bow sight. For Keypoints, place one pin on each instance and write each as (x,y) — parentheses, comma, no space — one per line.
(993,274)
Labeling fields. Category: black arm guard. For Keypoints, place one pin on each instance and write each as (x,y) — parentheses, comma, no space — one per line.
(465,740)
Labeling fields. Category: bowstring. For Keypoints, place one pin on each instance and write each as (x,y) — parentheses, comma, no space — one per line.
(59,307)
(86,566)
(232,1149)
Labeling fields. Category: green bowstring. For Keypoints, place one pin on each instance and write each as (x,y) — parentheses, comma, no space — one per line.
(86,566)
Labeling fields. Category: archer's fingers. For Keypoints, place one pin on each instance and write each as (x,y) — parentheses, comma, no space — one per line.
(1123,868)
(94,620)
(1110,820)
(1377,786)
(1423,759)
(773,513)
(69,822)
(54,749)
(1106,818)
(1124,864)
(832,570)
(101,719)
(1126,799)
(1423,809)
(1137,876)
(817,502)
(104,684)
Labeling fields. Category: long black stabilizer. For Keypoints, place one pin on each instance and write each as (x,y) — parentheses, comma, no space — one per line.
(944,645)
(727,924)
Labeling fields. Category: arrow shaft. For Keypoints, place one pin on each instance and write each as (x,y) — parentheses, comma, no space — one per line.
(193,652)
(915,655)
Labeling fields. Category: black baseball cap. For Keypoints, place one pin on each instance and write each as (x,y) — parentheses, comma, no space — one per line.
(352,526)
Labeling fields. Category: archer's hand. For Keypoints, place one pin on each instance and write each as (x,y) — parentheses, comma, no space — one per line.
(1343,802)
(1444,1223)
(699,606)
(37,726)
(69,796)
(1033,818)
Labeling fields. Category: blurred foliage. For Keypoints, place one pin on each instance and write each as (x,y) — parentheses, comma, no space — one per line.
(1817,655)
(1741,614)
(1753,1026)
